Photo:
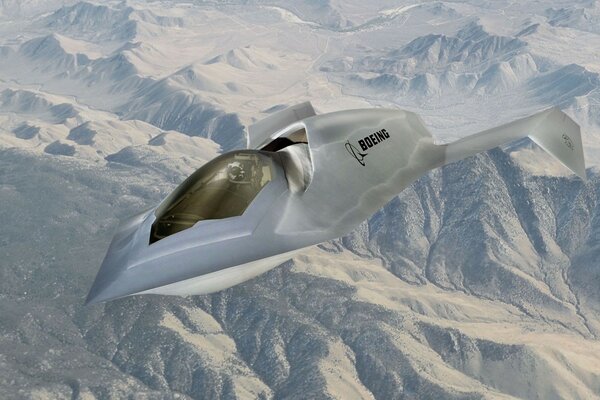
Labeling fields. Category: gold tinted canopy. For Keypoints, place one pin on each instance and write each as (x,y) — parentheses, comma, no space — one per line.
(222,188)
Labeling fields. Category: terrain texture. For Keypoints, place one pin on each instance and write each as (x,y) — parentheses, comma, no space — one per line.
(480,281)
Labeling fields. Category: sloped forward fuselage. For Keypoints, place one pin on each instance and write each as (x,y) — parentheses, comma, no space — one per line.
(207,236)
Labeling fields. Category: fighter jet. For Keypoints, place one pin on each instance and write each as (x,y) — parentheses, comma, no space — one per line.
(304,179)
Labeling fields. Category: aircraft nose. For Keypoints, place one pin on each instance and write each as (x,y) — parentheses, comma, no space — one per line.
(110,283)
(104,290)
(99,292)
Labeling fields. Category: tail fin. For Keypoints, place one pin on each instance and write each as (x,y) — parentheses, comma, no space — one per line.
(551,129)
(260,132)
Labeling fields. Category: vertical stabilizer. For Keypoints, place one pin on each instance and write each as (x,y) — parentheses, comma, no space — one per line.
(260,133)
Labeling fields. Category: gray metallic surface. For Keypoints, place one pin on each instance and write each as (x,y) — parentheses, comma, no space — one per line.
(313,197)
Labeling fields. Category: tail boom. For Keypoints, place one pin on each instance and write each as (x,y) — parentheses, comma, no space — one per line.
(552,130)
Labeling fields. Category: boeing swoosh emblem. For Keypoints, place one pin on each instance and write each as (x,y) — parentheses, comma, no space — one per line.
(568,141)
(354,152)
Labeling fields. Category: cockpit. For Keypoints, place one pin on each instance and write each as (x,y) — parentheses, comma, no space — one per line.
(222,188)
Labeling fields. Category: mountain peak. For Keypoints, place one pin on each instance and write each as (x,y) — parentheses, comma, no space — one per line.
(245,58)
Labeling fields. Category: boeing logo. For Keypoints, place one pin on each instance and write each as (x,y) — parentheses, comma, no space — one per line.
(374,138)
(568,142)
(366,143)
(354,152)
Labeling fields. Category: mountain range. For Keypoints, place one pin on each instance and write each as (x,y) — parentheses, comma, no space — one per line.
(479,281)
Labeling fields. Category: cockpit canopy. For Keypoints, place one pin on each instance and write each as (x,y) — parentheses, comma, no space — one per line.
(222,188)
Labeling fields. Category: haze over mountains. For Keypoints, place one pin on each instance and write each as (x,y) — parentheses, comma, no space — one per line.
(479,281)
